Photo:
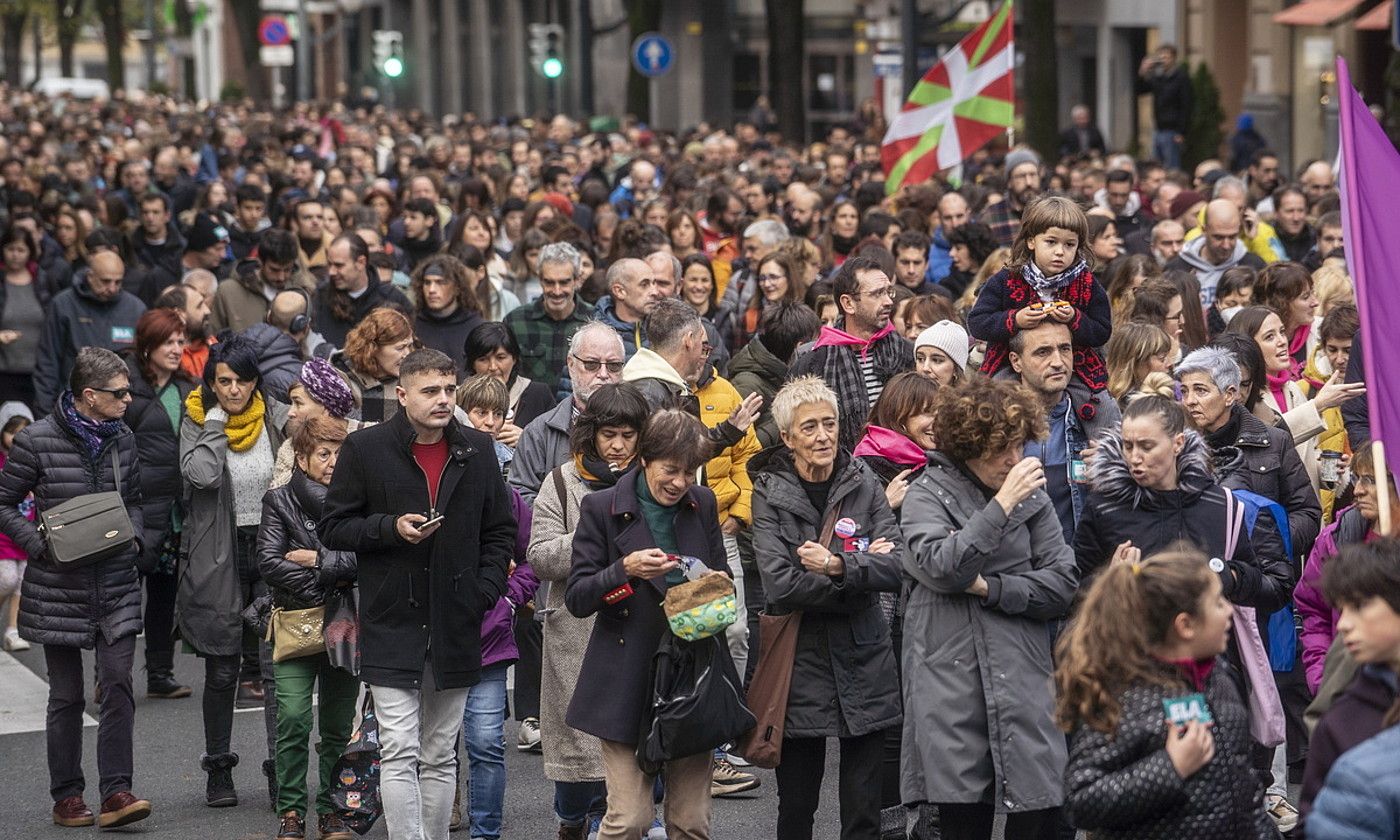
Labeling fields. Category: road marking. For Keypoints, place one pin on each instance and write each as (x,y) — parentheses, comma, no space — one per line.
(24,698)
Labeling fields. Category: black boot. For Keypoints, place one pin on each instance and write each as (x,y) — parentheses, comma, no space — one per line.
(220,793)
(160,677)
(269,767)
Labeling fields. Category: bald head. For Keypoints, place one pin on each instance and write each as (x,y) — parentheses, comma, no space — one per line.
(286,306)
(201,281)
(1222,230)
(1318,180)
(105,272)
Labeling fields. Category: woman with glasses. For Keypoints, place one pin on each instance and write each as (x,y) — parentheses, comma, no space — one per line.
(779,277)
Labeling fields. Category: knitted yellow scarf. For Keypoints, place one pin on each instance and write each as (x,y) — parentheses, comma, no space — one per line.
(242,429)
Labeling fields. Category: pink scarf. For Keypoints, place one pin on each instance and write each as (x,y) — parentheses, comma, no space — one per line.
(887,443)
(832,337)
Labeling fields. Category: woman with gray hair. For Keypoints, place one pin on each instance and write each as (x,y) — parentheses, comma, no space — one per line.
(826,544)
(83,447)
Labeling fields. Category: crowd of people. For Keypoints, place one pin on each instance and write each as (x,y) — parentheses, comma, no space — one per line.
(1065,467)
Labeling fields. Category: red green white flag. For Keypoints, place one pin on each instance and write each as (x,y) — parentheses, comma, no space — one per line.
(959,105)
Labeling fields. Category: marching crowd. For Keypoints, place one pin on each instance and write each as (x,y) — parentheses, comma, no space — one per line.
(1047,492)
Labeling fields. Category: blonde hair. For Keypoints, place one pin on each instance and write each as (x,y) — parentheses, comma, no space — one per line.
(1050,211)
(1131,344)
(1333,287)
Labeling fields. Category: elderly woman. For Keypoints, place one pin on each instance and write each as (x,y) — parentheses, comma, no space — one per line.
(370,361)
(624,560)
(74,451)
(991,572)
(319,391)
(228,446)
(826,544)
(300,574)
(603,442)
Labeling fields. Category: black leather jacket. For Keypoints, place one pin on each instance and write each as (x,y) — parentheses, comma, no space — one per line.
(290,514)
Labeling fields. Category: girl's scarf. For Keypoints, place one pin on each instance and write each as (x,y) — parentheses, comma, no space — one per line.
(1196,671)
(892,445)
(1296,346)
(1045,286)
(596,473)
(243,430)
(93,432)
(1277,381)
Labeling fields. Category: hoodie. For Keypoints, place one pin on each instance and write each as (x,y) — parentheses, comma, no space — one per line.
(664,387)
(755,370)
(631,334)
(1192,258)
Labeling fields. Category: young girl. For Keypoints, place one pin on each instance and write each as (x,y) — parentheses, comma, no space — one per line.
(1363,582)
(1048,278)
(13,558)
(1159,728)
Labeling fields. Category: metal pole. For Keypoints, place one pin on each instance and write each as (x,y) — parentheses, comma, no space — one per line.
(909,41)
(149,47)
(303,53)
(584,24)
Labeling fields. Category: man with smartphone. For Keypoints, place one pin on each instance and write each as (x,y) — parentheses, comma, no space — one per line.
(420,498)
(1170,86)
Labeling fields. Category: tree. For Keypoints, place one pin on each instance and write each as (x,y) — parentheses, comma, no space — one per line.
(114,34)
(13,15)
(1040,81)
(1203,135)
(787,50)
(642,16)
(69,22)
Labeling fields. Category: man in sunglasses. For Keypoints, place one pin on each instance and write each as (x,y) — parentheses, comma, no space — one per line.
(93,312)
(595,358)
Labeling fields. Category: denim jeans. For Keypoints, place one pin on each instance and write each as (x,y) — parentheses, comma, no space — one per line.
(1166,149)
(418,732)
(483,727)
(576,803)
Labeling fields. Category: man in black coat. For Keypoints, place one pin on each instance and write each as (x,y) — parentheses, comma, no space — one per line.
(352,290)
(1170,86)
(420,498)
(1082,137)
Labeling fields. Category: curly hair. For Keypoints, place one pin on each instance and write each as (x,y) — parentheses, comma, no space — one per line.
(446,265)
(1130,608)
(380,327)
(981,416)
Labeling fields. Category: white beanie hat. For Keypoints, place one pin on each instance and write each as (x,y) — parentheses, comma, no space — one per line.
(948,337)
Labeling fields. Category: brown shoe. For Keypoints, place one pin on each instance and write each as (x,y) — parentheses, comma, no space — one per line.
(329,827)
(122,808)
(72,812)
(250,695)
(572,832)
(293,828)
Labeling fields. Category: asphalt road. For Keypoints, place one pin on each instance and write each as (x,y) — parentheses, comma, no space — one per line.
(169,741)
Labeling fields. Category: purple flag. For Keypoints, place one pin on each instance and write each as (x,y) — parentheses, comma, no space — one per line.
(1371,231)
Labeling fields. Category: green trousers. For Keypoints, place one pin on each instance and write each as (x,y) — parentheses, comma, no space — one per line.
(296,682)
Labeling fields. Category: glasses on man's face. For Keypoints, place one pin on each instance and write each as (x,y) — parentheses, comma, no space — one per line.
(886,292)
(592,365)
(117,393)
(706,348)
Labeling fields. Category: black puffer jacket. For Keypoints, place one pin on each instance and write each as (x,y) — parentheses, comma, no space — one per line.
(70,608)
(1123,785)
(158,447)
(1119,509)
(1263,460)
(289,518)
(279,359)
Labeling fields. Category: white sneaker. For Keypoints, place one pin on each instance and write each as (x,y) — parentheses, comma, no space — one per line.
(13,641)
(1284,815)
(529,738)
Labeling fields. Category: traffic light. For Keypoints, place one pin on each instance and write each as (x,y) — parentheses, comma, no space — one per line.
(388,52)
(546,49)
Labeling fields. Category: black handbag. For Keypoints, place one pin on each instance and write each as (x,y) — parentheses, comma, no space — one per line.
(90,528)
(697,702)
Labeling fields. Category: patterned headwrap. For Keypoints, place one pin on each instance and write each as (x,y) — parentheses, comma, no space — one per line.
(324,385)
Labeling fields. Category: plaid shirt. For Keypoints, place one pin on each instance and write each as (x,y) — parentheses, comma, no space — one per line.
(1004,221)
(544,342)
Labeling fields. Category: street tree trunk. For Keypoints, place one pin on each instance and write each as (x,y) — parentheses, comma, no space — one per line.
(1041,77)
(786,51)
(114,35)
(70,19)
(642,16)
(13,19)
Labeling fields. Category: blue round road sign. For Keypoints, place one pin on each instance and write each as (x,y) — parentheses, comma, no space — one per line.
(652,54)
(273,31)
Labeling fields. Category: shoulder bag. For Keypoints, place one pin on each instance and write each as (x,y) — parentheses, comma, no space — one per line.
(1266,721)
(90,528)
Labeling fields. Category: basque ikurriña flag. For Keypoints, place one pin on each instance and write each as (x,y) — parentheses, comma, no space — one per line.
(960,104)
(1371,230)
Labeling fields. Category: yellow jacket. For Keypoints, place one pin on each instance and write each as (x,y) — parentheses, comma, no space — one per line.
(1334,437)
(727,474)
(1265,244)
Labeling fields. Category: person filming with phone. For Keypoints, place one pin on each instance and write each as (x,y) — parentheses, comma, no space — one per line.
(420,498)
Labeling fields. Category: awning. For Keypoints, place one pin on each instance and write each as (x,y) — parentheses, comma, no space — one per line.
(1378,19)
(1315,12)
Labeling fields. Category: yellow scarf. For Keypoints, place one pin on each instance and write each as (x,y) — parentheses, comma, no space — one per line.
(242,429)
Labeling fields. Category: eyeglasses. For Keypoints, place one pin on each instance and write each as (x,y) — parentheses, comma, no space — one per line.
(886,292)
(1365,481)
(771,278)
(118,393)
(706,348)
(592,365)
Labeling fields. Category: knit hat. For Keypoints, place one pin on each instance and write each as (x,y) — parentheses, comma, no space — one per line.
(1185,200)
(324,385)
(1016,157)
(205,233)
(948,337)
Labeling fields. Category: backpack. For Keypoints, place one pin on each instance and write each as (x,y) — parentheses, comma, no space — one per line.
(1280,629)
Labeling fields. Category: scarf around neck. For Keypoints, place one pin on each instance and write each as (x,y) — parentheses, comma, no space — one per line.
(892,445)
(242,430)
(1047,286)
(596,473)
(889,353)
(93,432)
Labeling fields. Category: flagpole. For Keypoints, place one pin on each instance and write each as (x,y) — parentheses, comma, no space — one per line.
(1011,68)
(1382,485)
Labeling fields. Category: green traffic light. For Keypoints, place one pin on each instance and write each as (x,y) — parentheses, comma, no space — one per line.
(552,67)
(393,67)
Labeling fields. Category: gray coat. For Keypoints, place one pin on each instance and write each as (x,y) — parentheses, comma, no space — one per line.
(569,755)
(543,445)
(978,698)
(208,600)
(844,681)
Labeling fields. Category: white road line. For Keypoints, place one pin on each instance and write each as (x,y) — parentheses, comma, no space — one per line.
(23,698)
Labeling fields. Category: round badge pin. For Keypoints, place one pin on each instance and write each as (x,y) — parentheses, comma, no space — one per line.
(1217,565)
(845,527)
